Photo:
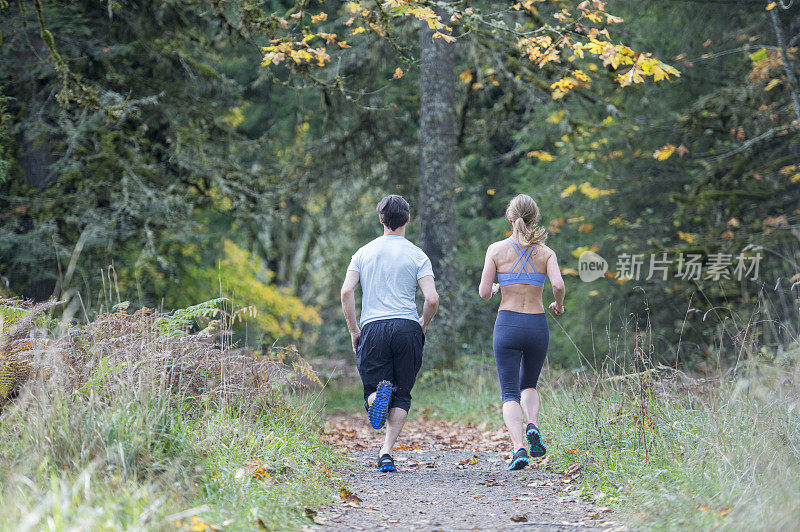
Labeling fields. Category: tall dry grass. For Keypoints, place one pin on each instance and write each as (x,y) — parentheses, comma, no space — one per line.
(133,422)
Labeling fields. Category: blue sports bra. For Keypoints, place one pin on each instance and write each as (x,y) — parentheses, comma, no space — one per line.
(523,276)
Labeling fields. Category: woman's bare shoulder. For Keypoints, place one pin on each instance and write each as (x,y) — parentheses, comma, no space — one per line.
(494,248)
(548,251)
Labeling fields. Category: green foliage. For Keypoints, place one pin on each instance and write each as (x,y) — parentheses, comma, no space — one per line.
(239,275)
(180,320)
(196,146)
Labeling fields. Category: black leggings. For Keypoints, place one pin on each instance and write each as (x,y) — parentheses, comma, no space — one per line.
(520,346)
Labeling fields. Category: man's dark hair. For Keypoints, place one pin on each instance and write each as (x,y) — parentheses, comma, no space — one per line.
(394,210)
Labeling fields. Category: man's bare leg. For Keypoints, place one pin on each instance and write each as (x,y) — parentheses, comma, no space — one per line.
(394,424)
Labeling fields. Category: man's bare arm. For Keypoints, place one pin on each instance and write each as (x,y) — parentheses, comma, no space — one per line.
(428,288)
(348,294)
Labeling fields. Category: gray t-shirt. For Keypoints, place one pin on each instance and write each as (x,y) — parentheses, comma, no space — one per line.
(389,268)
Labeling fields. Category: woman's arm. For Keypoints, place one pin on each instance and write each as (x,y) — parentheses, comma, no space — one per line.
(554,274)
(488,287)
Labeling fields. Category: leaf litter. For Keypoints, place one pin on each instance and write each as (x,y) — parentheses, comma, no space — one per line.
(450,477)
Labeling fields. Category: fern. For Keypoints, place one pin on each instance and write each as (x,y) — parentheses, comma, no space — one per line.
(95,381)
(179,320)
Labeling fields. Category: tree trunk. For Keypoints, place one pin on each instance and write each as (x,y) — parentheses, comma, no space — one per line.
(437,148)
(437,176)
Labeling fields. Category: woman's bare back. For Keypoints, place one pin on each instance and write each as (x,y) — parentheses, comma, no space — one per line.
(520,297)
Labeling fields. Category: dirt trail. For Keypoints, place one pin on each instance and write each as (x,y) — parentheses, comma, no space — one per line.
(450,477)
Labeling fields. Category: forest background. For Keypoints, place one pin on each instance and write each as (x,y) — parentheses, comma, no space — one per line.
(147,155)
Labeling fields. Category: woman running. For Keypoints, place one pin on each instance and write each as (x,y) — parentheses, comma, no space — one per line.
(521,263)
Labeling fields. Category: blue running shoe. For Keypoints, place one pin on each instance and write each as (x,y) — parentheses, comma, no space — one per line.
(519,460)
(535,441)
(386,464)
(379,409)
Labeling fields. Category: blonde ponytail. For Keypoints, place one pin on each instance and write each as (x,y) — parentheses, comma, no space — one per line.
(524,213)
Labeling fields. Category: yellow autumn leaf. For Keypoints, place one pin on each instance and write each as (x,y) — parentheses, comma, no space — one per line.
(664,153)
(319,18)
(593,192)
(570,271)
(198,525)
(356,31)
(556,117)
(771,6)
(541,155)
(491,191)
(398,73)
(446,38)
(580,76)
(353,7)
(466,76)
(569,190)
(688,237)
(772,84)
(577,252)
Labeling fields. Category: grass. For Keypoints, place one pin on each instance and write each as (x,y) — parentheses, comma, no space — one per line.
(150,432)
(665,450)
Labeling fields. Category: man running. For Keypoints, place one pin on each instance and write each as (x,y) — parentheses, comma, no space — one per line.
(388,346)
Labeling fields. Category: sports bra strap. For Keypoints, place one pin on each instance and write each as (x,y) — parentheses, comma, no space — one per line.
(523,255)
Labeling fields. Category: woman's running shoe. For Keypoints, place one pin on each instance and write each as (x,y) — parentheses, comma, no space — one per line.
(535,441)
(519,460)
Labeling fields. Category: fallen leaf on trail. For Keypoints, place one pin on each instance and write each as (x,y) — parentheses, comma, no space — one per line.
(519,518)
(477,496)
(541,463)
(469,461)
(540,483)
(349,498)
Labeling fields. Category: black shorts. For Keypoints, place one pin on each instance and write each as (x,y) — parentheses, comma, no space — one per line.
(390,350)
